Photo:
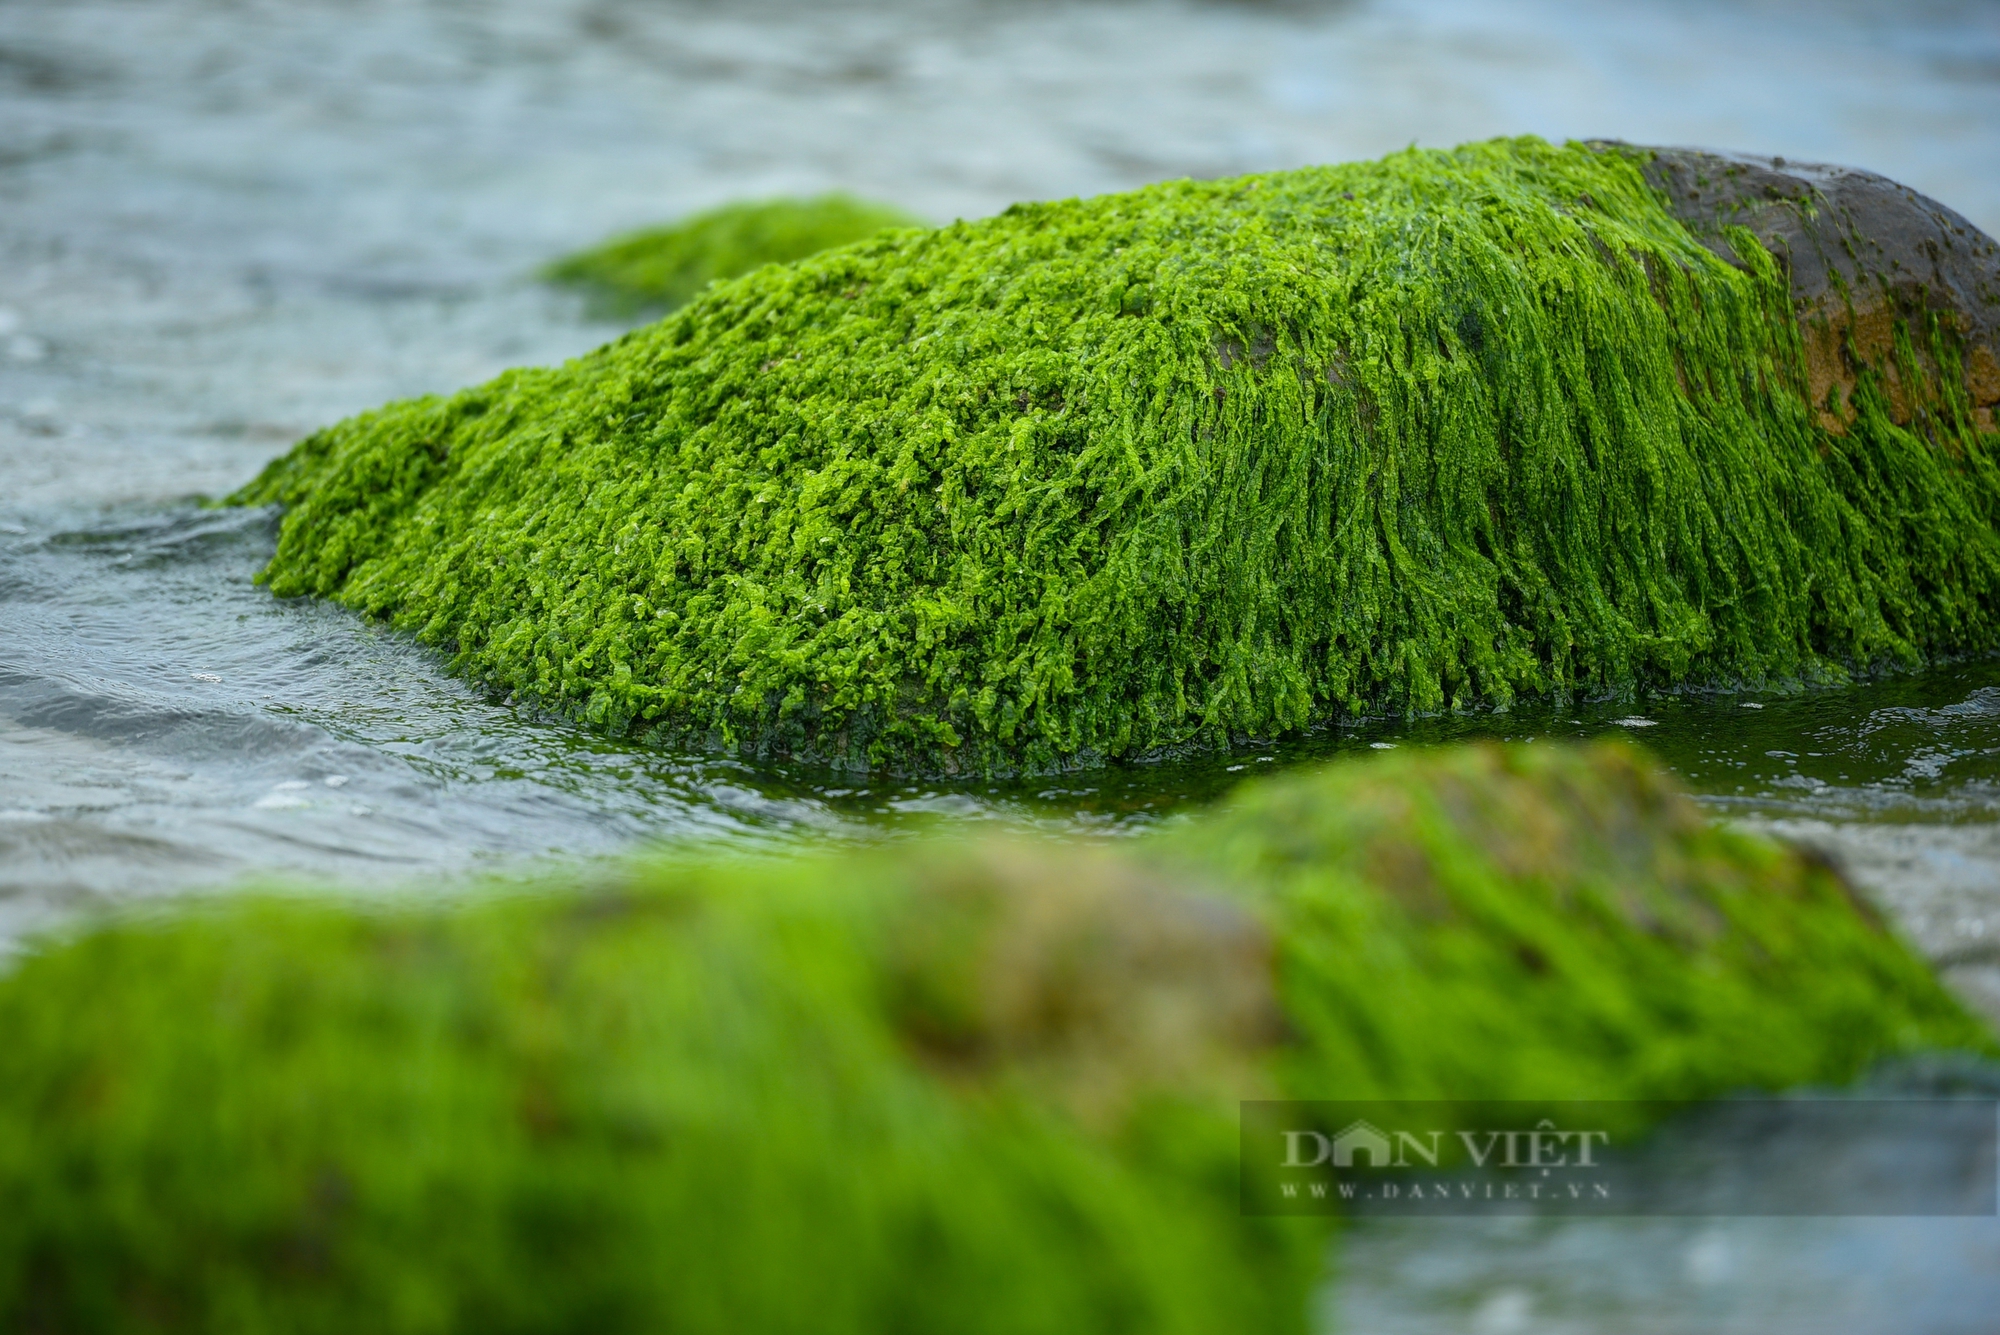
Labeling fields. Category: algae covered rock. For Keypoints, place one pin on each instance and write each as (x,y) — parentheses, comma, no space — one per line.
(686,1104)
(932,1087)
(663,267)
(1537,922)
(1104,477)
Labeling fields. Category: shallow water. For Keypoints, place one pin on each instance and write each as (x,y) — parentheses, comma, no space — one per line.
(224,224)
(1741,1268)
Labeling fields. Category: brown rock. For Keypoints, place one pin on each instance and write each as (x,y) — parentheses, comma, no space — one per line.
(1864,256)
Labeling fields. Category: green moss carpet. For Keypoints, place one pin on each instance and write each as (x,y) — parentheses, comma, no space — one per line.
(1106,477)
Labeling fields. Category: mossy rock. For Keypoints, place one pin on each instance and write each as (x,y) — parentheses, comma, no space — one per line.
(1109,477)
(933,1087)
(1542,922)
(681,1105)
(663,267)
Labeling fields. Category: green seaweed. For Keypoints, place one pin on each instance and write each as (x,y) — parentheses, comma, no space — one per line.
(1546,923)
(1107,477)
(677,1107)
(934,1086)
(664,267)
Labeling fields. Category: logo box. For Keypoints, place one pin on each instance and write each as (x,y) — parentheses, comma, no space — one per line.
(1804,1156)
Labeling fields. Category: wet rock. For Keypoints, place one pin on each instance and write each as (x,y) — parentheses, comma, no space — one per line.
(1868,260)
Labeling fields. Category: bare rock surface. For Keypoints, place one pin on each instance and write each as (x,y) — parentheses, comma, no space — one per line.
(1862,254)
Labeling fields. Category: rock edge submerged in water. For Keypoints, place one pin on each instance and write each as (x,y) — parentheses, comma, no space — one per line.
(932,1087)
(1207,460)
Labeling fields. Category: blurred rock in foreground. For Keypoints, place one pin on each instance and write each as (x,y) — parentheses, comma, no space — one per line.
(934,1087)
